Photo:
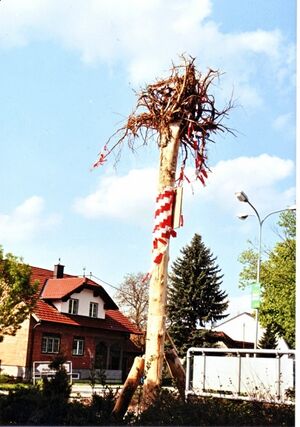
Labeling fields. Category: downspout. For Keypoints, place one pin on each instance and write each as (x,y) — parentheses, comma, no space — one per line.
(30,361)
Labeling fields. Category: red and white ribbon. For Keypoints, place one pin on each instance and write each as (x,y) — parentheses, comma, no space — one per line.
(163,223)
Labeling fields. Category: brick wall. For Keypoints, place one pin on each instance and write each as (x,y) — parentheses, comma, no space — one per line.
(67,335)
(19,351)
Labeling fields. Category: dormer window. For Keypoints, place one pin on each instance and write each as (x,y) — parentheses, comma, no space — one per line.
(73,306)
(93,309)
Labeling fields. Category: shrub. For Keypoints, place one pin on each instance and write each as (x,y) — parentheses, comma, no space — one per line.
(19,405)
(7,379)
(32,407)
(168,409)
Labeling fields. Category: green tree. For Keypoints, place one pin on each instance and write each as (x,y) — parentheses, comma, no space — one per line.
(278,280)
(248,259)
(17,295)
(279,290)
(269,338)
(287,221)
(194,296)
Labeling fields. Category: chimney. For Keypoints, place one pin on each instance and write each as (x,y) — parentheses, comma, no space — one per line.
(58,272)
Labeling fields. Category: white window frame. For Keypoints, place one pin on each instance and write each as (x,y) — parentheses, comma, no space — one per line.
(73,306)
(93,309)
(50,344)
(78,346)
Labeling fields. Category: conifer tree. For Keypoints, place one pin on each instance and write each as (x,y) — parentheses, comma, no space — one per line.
(269,338)
(194,296)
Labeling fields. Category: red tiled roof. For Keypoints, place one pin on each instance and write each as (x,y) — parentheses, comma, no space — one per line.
(231,343)
(114,319)
(58,288)
(46,312)
(50,288)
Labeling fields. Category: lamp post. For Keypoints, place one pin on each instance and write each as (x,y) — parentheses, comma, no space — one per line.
(242,197)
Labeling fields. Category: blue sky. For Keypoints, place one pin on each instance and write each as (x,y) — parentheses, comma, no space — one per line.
(68,72)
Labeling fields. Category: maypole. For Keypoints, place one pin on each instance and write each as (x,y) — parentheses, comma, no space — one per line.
(163,229)
(182,115)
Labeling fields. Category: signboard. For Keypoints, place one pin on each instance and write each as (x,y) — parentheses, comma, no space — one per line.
(41,369)
(44,369)
(255,295)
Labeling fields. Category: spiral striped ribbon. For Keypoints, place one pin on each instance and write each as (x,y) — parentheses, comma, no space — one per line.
(163,223)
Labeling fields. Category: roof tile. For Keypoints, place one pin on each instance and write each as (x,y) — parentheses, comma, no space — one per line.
(114,319)
(58,288)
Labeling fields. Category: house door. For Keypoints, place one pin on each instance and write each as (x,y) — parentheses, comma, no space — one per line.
(101,356)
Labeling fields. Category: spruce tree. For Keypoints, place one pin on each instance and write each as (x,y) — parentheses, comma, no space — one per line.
(194,295)
(269,338)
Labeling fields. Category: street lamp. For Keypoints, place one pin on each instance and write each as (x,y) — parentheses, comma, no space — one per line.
(242,197)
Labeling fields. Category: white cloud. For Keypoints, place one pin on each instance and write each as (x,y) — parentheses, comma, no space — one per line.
(259,177)
(131,197)
(147,34)
(286,125)
(26,220)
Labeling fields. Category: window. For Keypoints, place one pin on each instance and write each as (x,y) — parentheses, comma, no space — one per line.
(73,306)
(78,346)
(93,309)
(50,344)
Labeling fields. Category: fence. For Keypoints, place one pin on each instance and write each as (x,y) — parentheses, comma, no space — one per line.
(267,375)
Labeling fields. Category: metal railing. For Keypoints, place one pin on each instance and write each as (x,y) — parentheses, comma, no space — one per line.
(267,375)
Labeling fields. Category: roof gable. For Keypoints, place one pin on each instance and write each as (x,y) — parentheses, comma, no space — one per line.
(244,314)
(44,311)
(50,288)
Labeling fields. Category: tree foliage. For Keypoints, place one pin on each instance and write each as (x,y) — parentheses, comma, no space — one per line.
(287,221)
(279,290)
(248,259)
(278,280)
(194,296)
(17,295)
(132,298)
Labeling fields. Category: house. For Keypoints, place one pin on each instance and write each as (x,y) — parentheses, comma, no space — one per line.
(74,317)
(242,329)
(221,340)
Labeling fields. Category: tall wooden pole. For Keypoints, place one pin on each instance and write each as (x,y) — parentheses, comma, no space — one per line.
(155,338)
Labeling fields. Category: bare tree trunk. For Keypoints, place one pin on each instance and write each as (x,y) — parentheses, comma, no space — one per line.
(129,387)
(177,371)
(154,353)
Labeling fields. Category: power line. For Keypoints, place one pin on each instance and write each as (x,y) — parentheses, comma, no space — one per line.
(103,281)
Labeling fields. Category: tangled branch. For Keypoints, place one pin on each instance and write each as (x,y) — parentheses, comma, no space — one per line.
(182,98)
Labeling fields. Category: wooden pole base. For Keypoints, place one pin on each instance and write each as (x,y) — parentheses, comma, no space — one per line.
(177,371)
(129,387)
